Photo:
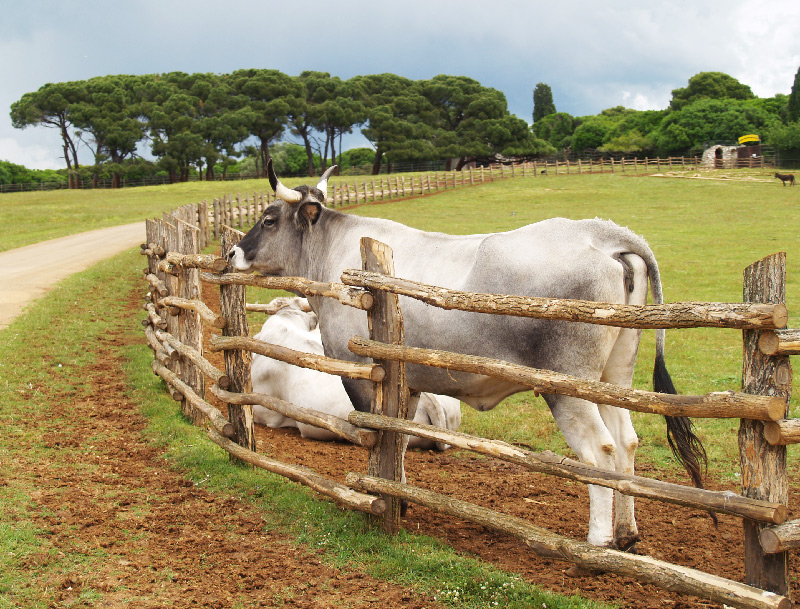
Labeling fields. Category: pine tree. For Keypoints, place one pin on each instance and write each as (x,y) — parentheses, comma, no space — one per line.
(542,102)
(794,99)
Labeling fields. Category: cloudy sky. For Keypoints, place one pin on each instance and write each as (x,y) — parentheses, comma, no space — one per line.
(593,55)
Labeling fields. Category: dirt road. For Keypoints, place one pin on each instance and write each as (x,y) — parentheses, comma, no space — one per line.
(30,271)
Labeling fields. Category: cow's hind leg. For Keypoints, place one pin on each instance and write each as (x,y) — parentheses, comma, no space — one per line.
(587,435)
(619,371)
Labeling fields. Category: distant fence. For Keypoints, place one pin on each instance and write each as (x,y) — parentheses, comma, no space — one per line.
(176,315)
(241,210)
(550,166)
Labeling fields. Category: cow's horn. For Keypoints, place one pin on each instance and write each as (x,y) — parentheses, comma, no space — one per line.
(323,181)
(287,194)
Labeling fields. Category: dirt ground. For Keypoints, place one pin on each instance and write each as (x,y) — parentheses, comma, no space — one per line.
(671,533)
(128,494)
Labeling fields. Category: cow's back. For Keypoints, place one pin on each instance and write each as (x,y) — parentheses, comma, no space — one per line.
(556,258)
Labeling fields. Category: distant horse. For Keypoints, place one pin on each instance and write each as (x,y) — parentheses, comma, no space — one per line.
(785,177)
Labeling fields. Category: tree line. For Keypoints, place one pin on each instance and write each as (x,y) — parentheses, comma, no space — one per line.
(205,122)
(713,108)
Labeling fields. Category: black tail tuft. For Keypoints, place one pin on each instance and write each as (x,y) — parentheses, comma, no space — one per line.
(685,445)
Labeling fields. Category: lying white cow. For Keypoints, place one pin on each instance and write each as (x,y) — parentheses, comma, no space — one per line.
(293,326)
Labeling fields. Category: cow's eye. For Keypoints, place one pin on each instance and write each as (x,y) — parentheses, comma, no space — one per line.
(269,221)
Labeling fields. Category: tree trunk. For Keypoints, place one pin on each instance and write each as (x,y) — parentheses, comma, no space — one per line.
(376,162)
(265,155)
(309,151)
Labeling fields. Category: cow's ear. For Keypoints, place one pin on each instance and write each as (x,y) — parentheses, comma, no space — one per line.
(308,213)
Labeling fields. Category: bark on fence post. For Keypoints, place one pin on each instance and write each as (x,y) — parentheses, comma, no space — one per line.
(237,362)
(190,326)
(764,474)
(151,238)
(391,395)
(170,244)
(216,208)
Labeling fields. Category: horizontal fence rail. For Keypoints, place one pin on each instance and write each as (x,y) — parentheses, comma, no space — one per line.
(673,315)
(721,404)
(174,278)
(551,545)
(368,372)
(354,297)
(724,502)
(342,428)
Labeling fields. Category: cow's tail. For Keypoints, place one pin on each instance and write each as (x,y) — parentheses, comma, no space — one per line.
(685,444)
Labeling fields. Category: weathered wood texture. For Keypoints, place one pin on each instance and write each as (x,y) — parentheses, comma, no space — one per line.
(341,427)
(551,545)
(673,315)
(785,431)
(189,323)
(159,351)
(232,299)
(355,297)
(780,342)
(724,502)
(213,415)
(196,357)
(170,237)
(721,404)
(197,261)
(158,287)
(391,394)
(338,492)
(781,538)
(153,318)
(271,309)
(764,465)
(198,306)
(369,372)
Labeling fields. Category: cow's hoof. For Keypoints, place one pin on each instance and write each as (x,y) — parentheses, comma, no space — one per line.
(576,571)
(628,544)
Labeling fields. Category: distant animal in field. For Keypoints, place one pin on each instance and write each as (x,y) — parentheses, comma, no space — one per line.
(785,177)
(293,325)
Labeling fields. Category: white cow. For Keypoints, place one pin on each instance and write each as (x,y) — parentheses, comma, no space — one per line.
(294,327)
(594,260)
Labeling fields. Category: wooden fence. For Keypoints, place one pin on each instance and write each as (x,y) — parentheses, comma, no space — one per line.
(174,326)
(240,211)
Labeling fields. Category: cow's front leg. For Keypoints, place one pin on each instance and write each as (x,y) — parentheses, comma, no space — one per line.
(587,435)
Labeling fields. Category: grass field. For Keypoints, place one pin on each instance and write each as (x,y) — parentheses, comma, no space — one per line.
(703,232)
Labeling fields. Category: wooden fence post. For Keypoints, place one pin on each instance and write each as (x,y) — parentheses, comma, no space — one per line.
(190,326)
(170,244)
(237,362)
(391,395)
(764,474)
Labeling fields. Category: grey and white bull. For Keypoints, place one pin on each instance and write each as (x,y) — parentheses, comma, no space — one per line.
(586,259)
(294,327)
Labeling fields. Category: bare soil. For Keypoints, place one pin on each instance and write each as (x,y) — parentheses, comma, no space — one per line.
(172,544)
(671,533)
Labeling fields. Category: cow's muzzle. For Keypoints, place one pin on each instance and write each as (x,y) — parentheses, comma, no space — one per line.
(236,258)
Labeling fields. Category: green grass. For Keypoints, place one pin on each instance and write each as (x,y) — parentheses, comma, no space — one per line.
(43,355)
(703,232)
(54,342)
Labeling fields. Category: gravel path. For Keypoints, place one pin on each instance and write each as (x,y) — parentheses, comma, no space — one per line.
(30,271)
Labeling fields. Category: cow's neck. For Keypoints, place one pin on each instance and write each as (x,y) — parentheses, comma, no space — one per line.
(321,258)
